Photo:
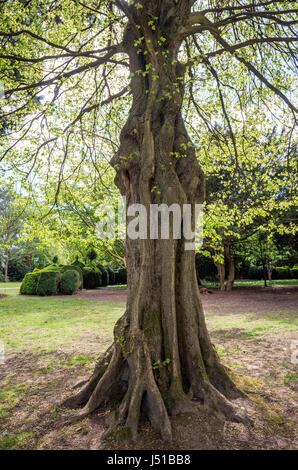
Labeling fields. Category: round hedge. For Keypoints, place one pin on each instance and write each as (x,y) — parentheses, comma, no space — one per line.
(91,278)
(70,282)
(29,283)
(48,282)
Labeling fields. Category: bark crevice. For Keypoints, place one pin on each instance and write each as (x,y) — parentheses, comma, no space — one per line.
(162,357)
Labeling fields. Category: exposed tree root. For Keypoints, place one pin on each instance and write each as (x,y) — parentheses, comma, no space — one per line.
(133,379)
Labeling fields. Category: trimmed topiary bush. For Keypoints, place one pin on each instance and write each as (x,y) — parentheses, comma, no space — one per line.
(117,277)
(78,263)
(99,275)
(29,283)
(70,282)
(111,276)
(122,276)
(76,269)
(91,255)
(48,283)
(255,272)
(90,278)
(104,275)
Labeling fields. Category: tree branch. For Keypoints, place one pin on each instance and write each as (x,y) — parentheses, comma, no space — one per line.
(253,70)
(107,58)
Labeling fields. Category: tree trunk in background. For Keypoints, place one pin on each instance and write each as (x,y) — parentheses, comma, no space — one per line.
(6,265)
(221,275)
(162,356)
(269,269)
(265,275)
(229,256)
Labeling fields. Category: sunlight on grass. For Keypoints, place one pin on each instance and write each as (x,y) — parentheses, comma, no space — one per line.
(251,324)
(48,323)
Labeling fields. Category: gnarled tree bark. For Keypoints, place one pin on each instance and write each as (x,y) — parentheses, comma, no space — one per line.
(162,357)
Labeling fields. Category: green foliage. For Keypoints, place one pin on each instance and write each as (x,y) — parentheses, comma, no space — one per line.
(294,272)
(17,268)
(283,272)
(255,272)
(76,269)
(70,282)
(55,259)
(91,278)
(91,254)
(29,284)
(48,282)
(205,267)
(78,263)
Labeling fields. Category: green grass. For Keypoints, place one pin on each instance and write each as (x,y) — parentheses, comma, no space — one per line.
(12,395)
(290,376)
(16,441)
(9,284)
(253,282)
(45,324)
(250,325)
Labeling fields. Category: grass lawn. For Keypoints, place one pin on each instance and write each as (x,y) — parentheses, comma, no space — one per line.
(51,343)
(11,288)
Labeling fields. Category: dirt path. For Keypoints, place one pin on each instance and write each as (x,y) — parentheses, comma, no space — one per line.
(240,299)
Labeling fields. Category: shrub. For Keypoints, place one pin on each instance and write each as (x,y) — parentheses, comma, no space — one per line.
(17,269)
(90,278)
(76,269)
(205,267)
(29,284)
(91,255)
(48,283)
(111,275)
(78,263)
(282,272)
(70,282)
(117,277)
(294,272)
(104,275)
(122,273)
(55,259)
(255,272)
(99,275)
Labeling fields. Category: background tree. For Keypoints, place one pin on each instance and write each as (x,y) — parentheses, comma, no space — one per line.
(248,196)
(165,54)
(12,214)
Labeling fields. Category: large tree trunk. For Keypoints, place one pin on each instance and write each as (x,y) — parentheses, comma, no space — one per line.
(162,357)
